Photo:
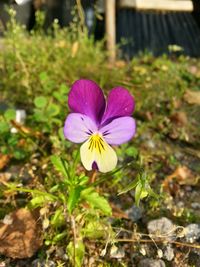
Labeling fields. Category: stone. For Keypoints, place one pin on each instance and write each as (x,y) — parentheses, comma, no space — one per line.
(168,253)
(117,253)
(42,263)
(134,213)
(161,228)
(151,263)
(192,232)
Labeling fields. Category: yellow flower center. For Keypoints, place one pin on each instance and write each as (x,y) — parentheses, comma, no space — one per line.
(96,142)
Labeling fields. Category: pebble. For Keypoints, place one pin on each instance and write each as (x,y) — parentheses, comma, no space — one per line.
(40,263)
(168,253)
(195,205)
(162,226)
(192,232)
(151,263)
(134,213)
(117,253)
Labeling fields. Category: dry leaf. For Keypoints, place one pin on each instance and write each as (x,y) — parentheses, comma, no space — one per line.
(179,118)
(24,129)
(192,97)
(117,212)
(4,177)
(22,238)
(181,176)
(4,159)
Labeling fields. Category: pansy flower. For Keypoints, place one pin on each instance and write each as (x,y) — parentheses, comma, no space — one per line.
(98,124)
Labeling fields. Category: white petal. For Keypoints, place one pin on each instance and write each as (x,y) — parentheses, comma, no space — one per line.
(97,150)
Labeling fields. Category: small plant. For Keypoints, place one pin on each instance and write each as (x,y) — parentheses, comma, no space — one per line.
(79,203)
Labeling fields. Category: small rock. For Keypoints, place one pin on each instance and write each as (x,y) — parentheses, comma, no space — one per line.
(161,227)
(159,253)
(192,232)
(7,219)
(151,263)
(61,254)
(117,253)
(195,205)
(134,213)
(169,253)
(41,263)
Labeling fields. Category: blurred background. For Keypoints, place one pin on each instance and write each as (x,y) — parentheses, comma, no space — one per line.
(156,26)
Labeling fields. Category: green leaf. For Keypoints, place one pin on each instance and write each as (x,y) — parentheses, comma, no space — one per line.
(140,193)
(52,110)
(40,101)
(58,218)
(96,201)
(43,76)
(132,151)
(151,192)
(59,237)
(61,134)
(129,187)
(79,253)
(94,229)
(10,114)
(60,165)
(19,154)
(39,201)
(64,89)
(74,196)
(4,127)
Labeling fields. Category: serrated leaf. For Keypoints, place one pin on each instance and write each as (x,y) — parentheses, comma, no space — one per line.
(40,101)
(60,165)
(94,229)
(96,201)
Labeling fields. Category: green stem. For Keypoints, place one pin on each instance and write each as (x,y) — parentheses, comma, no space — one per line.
(13,188)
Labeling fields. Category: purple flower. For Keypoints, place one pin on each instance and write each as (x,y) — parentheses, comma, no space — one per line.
(99,124)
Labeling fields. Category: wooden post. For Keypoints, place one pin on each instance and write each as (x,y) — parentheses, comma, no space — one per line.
(165,5)
(111,28)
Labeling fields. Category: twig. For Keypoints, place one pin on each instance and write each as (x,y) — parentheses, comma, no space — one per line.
(93,177)
(81,14)
(157,241)
(73,224)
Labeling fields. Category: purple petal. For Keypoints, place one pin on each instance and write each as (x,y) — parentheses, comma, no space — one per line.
(120,103)
(86,97)
(78,127)
(119,131)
